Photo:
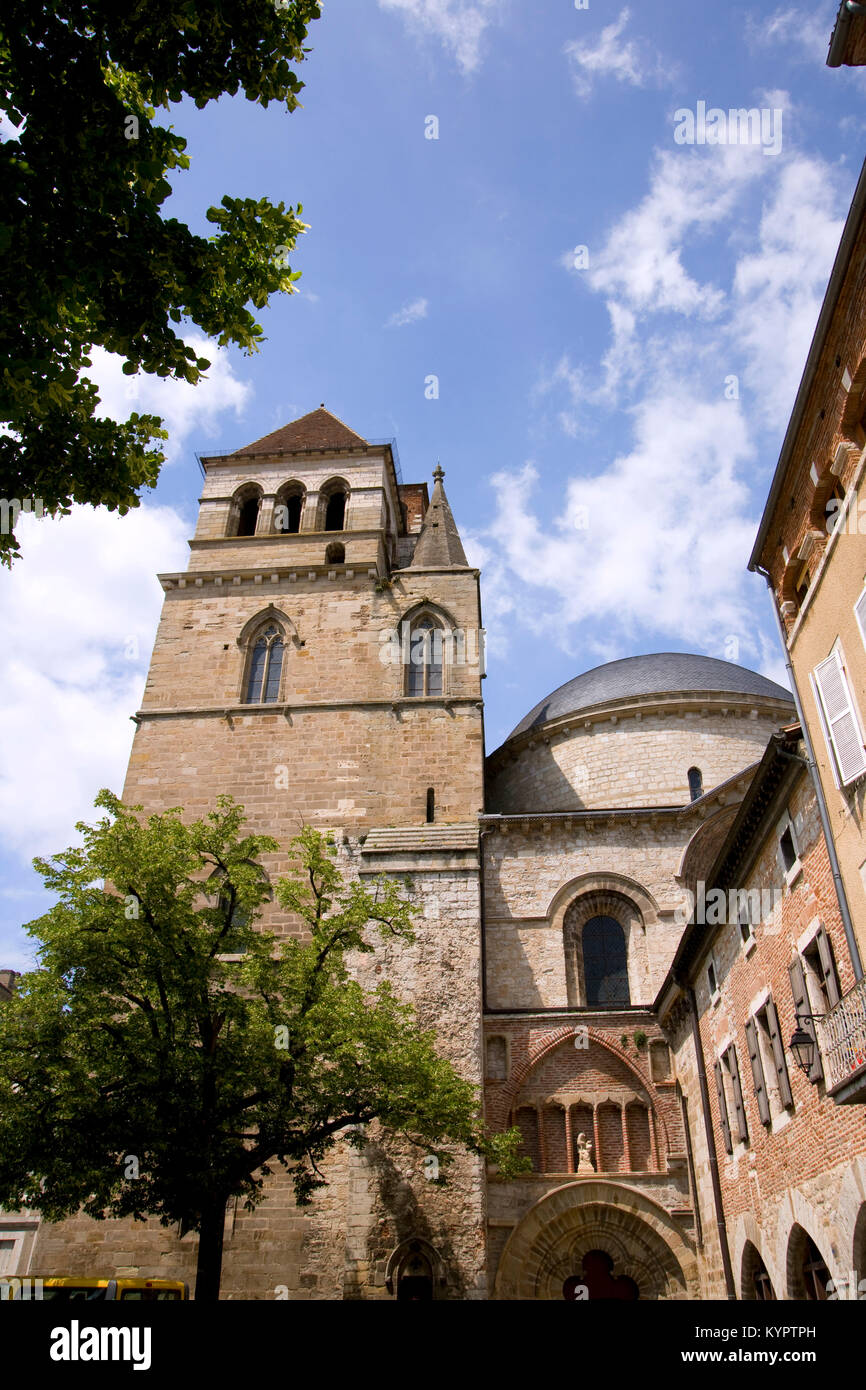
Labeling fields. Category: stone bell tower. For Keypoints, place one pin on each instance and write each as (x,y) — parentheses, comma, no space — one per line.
(321,660)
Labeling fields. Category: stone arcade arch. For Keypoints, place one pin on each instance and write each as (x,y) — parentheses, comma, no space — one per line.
(547,1248)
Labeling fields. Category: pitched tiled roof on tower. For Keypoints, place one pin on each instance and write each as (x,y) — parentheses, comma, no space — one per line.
(317,430)
(439,545)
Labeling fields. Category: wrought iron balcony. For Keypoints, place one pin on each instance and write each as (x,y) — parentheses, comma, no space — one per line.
(842,1040)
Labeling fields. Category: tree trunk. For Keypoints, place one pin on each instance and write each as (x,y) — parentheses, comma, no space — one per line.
(210,1254)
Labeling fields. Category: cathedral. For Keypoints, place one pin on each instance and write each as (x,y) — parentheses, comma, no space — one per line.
(322,660)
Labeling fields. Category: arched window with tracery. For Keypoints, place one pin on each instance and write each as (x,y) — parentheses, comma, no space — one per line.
(605,962)
(696,783)
(265,668)
(424,663)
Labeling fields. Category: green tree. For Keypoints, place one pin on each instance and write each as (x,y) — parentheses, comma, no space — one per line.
(167,1050)
(86,258)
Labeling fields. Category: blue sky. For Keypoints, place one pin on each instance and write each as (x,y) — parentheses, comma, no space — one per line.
(608,430)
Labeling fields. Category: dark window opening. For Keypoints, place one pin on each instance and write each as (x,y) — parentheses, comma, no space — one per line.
(335,513)
(711,978)
(248,516)
(756,1283)
(816,1275)
(696,783)
(802,588)
(789,852)
(605,963)
(431,805)
(287,516)
(335,554)
(415,1283)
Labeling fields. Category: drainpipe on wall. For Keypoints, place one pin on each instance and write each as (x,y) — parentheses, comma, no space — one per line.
(841,895)
(721,1224)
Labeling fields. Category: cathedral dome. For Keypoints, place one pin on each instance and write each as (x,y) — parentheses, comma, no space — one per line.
(658,673)
(656,730)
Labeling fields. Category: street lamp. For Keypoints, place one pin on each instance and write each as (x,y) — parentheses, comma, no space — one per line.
(803,1045)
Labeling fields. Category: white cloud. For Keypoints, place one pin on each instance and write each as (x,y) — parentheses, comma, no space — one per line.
(632,548)
(806,30)
(692,193)
(458,26)
(410,313)
(632,61)
(652,541)
(77,623)
(779,286)
(185,409)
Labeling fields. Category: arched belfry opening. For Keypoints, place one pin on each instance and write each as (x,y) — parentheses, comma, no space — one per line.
(244,510)
(288,508)
(335,497)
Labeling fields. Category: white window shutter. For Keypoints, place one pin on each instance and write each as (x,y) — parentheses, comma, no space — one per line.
(860,615)
(841,723)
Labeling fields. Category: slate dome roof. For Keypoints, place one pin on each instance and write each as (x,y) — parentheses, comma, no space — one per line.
(657,674)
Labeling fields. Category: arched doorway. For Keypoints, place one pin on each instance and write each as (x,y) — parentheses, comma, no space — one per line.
(808,1274)
(755,1281)
(598,1282)
(593,1233)
(414,1272)
(415,1280)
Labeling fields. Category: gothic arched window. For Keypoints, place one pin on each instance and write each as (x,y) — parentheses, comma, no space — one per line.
(265,667)
(605,964)
(424,666)
(696,783)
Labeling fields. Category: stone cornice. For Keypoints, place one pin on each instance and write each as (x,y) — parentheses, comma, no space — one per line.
(287,709)
(264,574)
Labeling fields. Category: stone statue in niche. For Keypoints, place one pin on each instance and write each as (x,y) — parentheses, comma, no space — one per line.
(584,1154)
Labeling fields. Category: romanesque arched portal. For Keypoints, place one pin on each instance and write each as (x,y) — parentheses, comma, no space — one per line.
(547,1249)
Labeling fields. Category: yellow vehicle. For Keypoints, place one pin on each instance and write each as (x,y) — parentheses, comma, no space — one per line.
(63,1290)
